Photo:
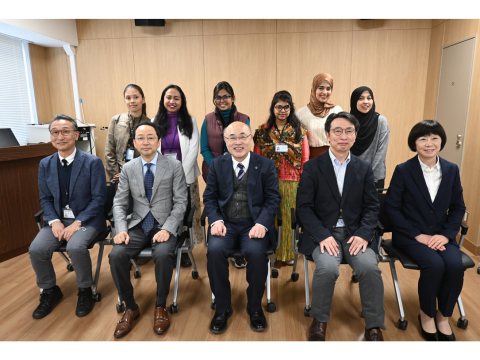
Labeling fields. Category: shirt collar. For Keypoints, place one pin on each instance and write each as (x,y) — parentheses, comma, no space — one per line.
(245,162)
(427,168)
(335,160)
(154,160)
(70,157)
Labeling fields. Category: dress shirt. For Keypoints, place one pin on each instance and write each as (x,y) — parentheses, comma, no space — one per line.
(432,176)
(153,168)
(245,164)
(340,169)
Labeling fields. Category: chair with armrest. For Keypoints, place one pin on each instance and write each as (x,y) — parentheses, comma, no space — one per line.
(393,254)
(272,272)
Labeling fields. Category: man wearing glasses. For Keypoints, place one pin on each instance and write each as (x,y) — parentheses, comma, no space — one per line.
(241,200)
(158,188)
(72,189)
(337,208)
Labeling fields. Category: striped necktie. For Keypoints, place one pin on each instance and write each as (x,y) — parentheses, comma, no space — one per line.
(241,171)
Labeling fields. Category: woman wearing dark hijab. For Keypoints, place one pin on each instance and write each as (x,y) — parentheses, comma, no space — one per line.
(372,137)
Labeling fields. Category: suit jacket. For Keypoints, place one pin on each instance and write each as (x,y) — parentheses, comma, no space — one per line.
(169,195)
(410,209)
(87,189)
(319,203)
(263,195)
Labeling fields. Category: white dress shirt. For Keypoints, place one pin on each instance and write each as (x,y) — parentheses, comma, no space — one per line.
(432,176)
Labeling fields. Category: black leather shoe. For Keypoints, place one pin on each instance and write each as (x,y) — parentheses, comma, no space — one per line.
(220,321)
(258,321)
(49,298)
(85,302)
(374,334)
(317,331)
(443,337)
(426,335)
(185,260)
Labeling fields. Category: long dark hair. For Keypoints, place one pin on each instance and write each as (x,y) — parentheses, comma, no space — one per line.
(185,120)
(139,89)
(224,85)
(292,119)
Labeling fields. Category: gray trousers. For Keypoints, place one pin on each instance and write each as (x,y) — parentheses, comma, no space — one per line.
(163,255)
(365,266)
(43,246)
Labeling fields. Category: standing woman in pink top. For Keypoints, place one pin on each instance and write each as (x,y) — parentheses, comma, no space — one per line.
(283,140)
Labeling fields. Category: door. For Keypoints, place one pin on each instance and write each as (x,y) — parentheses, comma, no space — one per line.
(454,96)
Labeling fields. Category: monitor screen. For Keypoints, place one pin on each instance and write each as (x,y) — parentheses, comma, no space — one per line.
(7,138)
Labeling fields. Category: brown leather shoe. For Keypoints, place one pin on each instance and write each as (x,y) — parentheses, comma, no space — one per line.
(317,331)
(161,321)
(126,323)
(374,334)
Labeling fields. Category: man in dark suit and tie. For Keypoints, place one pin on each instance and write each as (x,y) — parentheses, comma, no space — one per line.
(157,186)
(241,200)
(337,206)
(72,189)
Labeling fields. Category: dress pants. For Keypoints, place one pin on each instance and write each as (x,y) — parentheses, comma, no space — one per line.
(43,246)
(441,276)
(365,266)
(163,255)
(255,252)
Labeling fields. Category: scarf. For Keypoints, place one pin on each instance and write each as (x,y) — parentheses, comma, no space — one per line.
(368,122)
(316,107)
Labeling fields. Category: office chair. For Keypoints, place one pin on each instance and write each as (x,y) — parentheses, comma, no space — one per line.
(393,254)
(272,272)
(184,245)
(101,239)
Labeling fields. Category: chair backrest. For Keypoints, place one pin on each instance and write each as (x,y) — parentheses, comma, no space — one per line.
(384,222)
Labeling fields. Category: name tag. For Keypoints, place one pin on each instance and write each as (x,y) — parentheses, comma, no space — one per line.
(281,148)
(129,154)
(68,213)
(172,155)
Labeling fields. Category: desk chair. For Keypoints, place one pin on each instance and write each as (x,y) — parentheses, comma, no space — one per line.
(184,245)
(101,239)
(393,254)
(272,272)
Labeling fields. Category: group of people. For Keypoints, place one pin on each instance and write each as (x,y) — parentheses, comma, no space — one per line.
(321,160)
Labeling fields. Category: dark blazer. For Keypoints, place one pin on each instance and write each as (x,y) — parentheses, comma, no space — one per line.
(319,203)
(87,189)
(410,209)
(263,195)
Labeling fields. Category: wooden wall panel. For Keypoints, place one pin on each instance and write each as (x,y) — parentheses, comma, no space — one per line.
(386,24)
(300,56)
(459,30)
(104,68)
(59,82)
(433,71)
(236,27)
(38,60)
(171,28)
(394,64)
(104,29)
(309,26)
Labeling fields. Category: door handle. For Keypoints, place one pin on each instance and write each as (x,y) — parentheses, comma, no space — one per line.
(459,141)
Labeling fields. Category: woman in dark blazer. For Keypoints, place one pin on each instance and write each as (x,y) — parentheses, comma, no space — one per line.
(425,206)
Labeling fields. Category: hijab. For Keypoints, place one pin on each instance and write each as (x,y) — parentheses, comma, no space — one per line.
(368,121)
(316,107)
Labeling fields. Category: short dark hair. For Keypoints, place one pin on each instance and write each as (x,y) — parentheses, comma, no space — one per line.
(148,123)
(66,118)
(344,115)
(426,127)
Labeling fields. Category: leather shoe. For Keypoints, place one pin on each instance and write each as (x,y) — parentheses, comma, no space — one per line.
(219,322)
(126,323)
(426,335)
(49,298)
(373,334)
(317,331)
(85,302)
(258,321)
(161,321)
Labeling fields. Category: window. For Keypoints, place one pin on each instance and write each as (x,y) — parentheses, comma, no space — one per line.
(17,101)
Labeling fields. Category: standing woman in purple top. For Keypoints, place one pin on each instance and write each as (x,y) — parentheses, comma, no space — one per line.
(179,140)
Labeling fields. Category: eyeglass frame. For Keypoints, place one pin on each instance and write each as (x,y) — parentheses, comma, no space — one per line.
(236,138)
(65,132)
(147,139)
(285,108)
(219,98)
(348,131)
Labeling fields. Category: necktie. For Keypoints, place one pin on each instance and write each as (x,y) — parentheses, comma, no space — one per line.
(241,172)
(148,221)
(64,162)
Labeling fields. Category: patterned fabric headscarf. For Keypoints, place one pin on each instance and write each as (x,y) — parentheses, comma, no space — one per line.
(316,107)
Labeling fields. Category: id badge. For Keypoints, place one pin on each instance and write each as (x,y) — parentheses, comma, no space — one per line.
(281,148)
(68,213)
(129,154)
(172,155)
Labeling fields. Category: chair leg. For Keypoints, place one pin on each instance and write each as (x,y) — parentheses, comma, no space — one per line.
(308,305)
(174,307)
(96,295)
(402,323)
(462,322)
(271,307)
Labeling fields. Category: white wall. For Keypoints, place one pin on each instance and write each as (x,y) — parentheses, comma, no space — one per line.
(51,33)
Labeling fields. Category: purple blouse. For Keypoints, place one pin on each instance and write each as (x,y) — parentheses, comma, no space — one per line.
(171,141)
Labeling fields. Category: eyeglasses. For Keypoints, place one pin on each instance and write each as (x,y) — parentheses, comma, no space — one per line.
(339,131)
(235,138)
(149,139)
(65,132)
(222,98)
(282,108)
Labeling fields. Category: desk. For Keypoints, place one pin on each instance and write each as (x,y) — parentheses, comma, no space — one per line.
(19,196)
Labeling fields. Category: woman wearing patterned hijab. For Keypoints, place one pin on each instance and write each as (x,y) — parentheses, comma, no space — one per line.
(283,140)
(313,115)
(372,137)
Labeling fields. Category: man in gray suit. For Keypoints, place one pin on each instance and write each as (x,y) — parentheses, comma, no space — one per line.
(157,186)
